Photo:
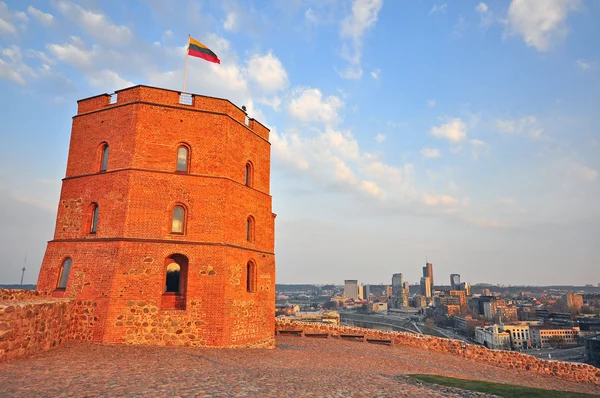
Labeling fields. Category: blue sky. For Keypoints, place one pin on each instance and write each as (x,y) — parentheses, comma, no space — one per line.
(462,132)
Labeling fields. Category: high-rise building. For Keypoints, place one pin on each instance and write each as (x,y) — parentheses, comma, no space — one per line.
(361,292)
(397,287)
(351,289)
(455,281)
(428,273)
(405,294)
(426,287)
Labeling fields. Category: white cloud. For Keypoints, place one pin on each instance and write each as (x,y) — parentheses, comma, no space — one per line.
(431,153)
(364,15)
(108,80)
(231,22)
(581,171)
(460,27)
(481,8)
(43,17)
(431,103)
(8,20)
(96,24)
(478,148)
(486,18)
(527,125)
(12,66)
(309,105)
(454,131)
(584,65)
(380,138)
(375,74)
(267,72)
(310,16)
(438,8)
(73,53)
(440,200)
(542,24)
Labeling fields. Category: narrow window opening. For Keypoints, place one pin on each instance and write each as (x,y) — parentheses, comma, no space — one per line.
(250,277)
(250,229)
(178,224)
(249,175)
(104,158)
(113,98)
(182,159)
(94,221)
(63,278)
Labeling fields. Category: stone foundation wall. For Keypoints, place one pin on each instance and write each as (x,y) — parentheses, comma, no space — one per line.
(503,359)
(144,322)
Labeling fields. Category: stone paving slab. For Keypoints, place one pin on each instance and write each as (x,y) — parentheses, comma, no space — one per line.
(298,367)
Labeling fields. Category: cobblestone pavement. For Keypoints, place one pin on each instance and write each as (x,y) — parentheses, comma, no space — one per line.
(298,367)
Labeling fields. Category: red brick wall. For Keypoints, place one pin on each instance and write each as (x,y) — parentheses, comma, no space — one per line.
(121,268)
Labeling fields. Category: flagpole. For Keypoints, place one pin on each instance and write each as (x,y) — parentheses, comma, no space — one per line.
(187,52)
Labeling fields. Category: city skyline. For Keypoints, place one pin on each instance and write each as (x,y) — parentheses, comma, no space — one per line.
(463,132)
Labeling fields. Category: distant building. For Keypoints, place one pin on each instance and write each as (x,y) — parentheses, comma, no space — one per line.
(361,292)
(592,350)
(455,281)
(351,289)
(492,337)
(486,292)
(542,338)
(426,287)
(397,288)
(447,299)
(572,301)
(420,301)
(466,322)
(466,287)
(520,337)
(428,273)
(461,294)
(378,307)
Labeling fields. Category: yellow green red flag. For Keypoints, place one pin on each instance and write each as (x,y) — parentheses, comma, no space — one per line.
(197,49)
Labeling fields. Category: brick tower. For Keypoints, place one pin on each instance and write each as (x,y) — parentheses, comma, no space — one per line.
(164,233)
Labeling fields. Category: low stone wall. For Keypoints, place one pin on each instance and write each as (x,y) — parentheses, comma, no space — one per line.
(17,294)
(34,324)
(503,359)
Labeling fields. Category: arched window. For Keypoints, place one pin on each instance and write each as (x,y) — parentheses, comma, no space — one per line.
(249,180)
(173,276)
(104,157)
(94,220)
(64,274)
(250,229)
(183,154)
(178,224)
(250,277)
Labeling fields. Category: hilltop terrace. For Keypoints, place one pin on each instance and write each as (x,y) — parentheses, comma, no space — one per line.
(297,367)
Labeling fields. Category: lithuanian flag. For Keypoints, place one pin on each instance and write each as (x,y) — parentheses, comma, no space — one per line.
(197,49)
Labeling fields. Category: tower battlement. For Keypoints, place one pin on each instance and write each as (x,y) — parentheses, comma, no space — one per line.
(170,98)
